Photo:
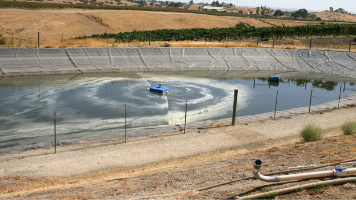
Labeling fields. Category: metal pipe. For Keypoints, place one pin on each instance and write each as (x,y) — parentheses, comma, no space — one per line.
(338,172)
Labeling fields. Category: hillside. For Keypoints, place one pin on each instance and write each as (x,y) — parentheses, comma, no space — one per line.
(334,16)
(57,24)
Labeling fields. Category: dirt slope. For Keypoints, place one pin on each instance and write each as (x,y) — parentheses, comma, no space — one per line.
(24,25)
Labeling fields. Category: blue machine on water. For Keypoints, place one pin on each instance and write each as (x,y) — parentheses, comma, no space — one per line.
(159,89)
(274,78)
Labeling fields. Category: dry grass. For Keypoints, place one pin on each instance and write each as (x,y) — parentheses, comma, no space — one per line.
(221,123)
(333,16)
(57,27)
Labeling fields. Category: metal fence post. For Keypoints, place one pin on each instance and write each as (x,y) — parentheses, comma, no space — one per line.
(125,124)
(55,133)
(275,107)
(186,108)
(149,41)
(273,41)
(234,107)
(310,46)
(311,95)
(38,39)
(338,104)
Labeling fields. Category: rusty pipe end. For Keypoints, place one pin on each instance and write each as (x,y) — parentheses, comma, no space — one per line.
(257,165)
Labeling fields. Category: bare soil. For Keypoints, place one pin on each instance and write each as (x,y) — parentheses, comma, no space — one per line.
(204,163)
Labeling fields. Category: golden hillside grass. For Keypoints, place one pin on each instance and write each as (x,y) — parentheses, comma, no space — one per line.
(333,16)
(57,27)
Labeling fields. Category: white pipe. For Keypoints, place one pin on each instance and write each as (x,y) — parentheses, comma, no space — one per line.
(295,188)
(338,172)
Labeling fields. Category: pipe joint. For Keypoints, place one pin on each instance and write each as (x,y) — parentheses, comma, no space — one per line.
(340,171)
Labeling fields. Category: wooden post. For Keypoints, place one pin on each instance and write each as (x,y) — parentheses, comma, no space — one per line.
(12,39)
(234,107)
(125,124)
(350,46)
(55,133)
(275,107)
(258,40)
(311,95)
(186,108)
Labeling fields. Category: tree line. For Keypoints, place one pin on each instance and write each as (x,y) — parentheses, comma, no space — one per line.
(232,33)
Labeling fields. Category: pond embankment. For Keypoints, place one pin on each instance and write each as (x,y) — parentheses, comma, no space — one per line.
(42,61)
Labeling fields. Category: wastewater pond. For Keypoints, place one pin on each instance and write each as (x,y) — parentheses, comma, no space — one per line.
(82,106)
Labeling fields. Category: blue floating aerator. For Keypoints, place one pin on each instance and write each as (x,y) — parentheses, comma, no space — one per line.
(159,89)
(274,78)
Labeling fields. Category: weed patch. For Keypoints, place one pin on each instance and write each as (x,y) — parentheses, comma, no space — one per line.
(311,133)
(349,128)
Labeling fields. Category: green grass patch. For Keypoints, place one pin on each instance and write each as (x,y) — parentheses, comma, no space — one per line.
(318,186)
(311,133)
(270,196)
(349,128)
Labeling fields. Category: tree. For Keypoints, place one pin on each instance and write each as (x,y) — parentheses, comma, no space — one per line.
(241,24)
(331,9)
(258,10)
(303,13)
(191,2)
(341,10)
(278,13)
(312,16)
(263,12)
(143,3)
(215,3)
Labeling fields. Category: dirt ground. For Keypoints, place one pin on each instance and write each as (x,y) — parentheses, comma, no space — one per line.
(184,166)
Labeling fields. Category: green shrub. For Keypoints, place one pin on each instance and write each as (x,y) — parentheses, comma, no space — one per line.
(349,128)
(2,41)
(311,133)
